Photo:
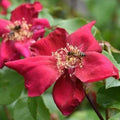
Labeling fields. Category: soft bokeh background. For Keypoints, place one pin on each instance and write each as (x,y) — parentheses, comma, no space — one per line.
(107,15)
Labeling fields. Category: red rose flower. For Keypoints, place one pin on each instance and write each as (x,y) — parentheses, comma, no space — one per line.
(5,4)
(67,59)
(21,31)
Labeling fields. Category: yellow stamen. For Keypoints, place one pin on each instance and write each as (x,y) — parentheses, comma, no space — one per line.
(19,31)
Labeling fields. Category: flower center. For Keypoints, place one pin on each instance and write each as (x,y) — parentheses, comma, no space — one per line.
(68,57)
(19,30)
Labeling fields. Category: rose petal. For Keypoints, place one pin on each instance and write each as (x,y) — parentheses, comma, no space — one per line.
(27,11)
(51,43)
(3,26)
(96,67)
(7,52)
(38,34)
(68,93)
(38,27)
(22,47)
(39,73)
(37,6)
(84,39)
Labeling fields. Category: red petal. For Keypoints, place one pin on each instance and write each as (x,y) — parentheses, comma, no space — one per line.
(22,47)
(27,11)
(68,93)
(51,43)
(96,67)
(3,26)
(37,6)
(38,27)
(39,73)
(8,52)
(84,39)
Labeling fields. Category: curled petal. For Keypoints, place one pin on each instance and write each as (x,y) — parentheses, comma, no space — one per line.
(68,93)
(8,52)
(27,11)
(54,41)
(84,39)
(39,73)
(3,26)
(38,27)
(96,67)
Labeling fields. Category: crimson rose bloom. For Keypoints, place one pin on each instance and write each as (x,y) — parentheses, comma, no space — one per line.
(21,31)
(5,4)
(67,59)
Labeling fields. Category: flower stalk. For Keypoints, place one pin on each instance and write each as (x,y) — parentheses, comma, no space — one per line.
(94,107)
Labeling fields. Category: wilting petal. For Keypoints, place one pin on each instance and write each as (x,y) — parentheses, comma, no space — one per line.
(3,26)
(96,67)
(27,11)
(7,52)
(39,73)
(51,43)
(84,39)
(38,27)
(22,47)
(68,93)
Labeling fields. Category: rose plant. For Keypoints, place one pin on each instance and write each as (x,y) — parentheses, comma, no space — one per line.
(58,59)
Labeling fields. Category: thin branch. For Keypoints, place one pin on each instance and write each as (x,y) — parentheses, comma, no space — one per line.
(94,107)
(107,114)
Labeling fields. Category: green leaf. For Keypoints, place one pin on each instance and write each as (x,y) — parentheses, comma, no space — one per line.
(45,14)
(48,99)
(21,111)
(43,112)
(109,97)
(72,24)
(11,86)
(115,117)
(112,82)
(32,105)
(96,33)
(38,108)
(83,115)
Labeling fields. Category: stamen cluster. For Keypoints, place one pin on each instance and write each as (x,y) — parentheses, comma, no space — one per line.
(19,30)
(68,57)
